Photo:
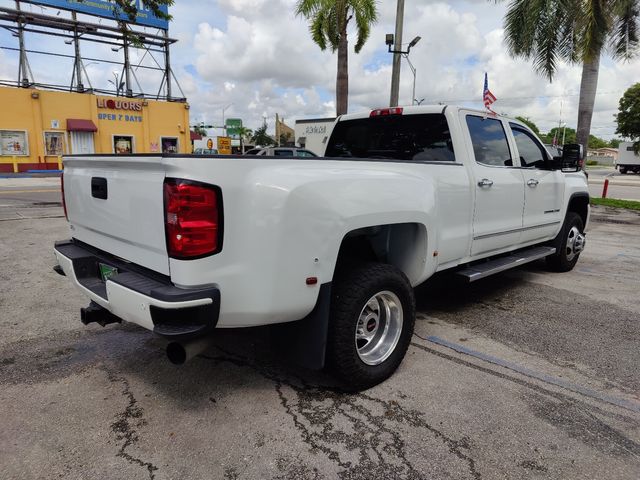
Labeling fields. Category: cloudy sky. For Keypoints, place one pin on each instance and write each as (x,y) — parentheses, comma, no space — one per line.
(256,58)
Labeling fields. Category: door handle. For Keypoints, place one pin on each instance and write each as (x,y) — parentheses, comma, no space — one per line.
(485,182)
(533,183)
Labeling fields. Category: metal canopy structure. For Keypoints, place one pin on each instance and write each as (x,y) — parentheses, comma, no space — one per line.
(120,36)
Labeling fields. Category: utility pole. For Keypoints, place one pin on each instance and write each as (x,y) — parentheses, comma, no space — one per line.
(25,76)
(395,75)
(167,64)
(127,63)
(78,58)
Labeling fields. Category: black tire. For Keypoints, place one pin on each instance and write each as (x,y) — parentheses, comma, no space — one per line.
(565,259)
(351,292)
(623,171)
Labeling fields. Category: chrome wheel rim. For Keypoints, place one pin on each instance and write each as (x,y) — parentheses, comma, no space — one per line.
(575,243)
(379,327)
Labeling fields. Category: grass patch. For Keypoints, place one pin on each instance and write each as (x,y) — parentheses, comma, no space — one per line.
(612,202)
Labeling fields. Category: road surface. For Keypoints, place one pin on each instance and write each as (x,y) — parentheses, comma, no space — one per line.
(525,375)
(30,191)
(624,187)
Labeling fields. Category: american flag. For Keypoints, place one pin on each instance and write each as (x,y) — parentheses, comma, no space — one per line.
(487,97)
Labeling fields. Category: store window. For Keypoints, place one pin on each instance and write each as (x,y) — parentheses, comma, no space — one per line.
(54,144)
(169,144)
(122,144)
(14,142)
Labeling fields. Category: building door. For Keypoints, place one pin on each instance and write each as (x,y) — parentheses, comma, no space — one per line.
(82,143)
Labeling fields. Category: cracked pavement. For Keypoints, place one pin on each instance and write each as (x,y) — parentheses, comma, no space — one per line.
(90,402)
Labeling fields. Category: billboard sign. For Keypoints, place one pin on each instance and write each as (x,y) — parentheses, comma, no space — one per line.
(233,126)
(106,9)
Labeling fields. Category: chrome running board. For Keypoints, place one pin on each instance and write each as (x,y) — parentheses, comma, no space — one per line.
(491,267)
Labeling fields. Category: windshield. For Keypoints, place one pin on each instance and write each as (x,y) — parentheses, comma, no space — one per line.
(423,137)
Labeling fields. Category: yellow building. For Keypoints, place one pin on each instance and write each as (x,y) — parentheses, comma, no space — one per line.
(37,127)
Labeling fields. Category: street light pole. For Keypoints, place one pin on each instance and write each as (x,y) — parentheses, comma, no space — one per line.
(116,84)
(395,73)
(413,70)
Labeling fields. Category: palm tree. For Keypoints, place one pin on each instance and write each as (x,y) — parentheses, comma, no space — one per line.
(574,31)
(244,132)
(329,20)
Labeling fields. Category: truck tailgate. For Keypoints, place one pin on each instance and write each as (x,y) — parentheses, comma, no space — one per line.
(116,205)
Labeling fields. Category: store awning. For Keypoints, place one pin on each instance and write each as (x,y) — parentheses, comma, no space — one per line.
(80,125)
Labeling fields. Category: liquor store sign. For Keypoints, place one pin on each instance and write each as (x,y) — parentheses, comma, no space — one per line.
(120,110)
(112,104)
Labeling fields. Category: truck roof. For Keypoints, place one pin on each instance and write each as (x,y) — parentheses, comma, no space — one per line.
(418,109)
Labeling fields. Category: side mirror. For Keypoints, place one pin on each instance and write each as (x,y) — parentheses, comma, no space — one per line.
(572,158)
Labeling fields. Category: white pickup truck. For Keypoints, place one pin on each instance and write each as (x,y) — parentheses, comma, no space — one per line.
(330,247)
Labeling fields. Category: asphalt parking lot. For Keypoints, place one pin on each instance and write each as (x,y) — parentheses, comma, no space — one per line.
(525,375)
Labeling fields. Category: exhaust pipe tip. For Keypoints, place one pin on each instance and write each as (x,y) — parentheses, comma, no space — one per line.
(180,353)
(176,353)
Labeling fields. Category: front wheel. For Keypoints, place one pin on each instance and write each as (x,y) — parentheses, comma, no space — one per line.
(569,244)
(371,324)
(623,170)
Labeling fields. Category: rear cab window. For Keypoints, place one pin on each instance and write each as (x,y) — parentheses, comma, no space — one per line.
(417,137)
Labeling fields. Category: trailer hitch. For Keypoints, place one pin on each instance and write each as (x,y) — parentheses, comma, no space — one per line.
(96,313)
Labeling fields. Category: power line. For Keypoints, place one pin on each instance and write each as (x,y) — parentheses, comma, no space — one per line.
(523,98)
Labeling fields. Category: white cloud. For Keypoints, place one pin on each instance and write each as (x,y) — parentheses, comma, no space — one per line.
(257,56)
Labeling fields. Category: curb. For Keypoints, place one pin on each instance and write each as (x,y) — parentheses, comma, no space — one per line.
(39,174)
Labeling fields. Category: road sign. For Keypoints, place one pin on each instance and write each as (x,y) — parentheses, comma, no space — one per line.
(233,127)
(224,145)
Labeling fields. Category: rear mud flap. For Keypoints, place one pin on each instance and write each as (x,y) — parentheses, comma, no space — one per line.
(305,342)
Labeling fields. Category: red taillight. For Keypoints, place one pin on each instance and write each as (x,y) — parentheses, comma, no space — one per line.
(193,218)
(64,203)
(383,112)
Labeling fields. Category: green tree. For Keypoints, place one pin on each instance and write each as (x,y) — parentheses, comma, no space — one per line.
(575,31)
(130,8)
(628,117)
(569,135)
(200,129)
(329,21)
(261,138)
(615,142)
(597,142)
(530,124)
(244,132)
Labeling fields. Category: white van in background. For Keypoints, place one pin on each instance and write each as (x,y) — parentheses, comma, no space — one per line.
(628,160)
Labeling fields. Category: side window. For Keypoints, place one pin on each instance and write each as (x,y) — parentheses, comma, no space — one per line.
(283,153)
(305,153)
(531,153)
(489,141)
